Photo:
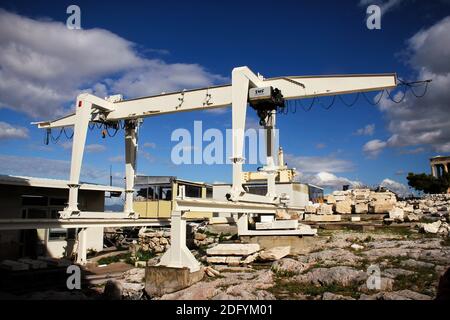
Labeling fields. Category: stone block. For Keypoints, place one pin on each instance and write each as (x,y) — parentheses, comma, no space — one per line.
(344,207)
(361,208)
(311,209)
(14,265)
(325,209)
(216,259)
(380,207)
(397,214)
(237,249)
(277,224)
(331,199)
(160,280)
(34,264)
(275,253)
(282,215)
(323,218)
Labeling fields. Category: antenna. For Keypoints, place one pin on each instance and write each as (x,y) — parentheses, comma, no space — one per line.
(110,174)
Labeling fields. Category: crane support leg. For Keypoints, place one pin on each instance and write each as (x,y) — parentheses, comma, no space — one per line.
(131,144)
(270,168)
(82,118)
(82,246)
(178,255)
(240,85)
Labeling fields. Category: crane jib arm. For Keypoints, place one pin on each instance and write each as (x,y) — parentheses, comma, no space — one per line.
(295,87)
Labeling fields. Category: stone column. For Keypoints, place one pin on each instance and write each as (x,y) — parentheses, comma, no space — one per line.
(446,166)
(433,170)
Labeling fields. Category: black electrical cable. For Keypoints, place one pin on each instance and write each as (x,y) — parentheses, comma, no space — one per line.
(111,135)
(397,101)
(419,95)
(310,106)
(67,136)
(379,98)
(295,107)
(352,103)
(55,140)
(330,105)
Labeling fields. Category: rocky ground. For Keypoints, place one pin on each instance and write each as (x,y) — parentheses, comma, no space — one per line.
(338,268)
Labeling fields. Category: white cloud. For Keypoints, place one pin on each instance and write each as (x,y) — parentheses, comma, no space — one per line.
(374,147)
(44,65)
(91,148)
(47,168)
(94,148)
(397,187)
(413,151)
(151,145)
(424,121)
(385,6)
(321,146)
(368,130)
(327,180)
(319,164)
(8,131)
(147,156)
(118,158)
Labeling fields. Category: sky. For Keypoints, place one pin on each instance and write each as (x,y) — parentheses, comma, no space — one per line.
(138,48)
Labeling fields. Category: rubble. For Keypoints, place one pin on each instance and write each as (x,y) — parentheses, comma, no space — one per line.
(275,253)
(357,201)
(156,241)
(233,254)
(431,227)
(397,214)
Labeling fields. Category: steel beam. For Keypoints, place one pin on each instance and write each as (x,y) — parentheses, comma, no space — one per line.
(28,224)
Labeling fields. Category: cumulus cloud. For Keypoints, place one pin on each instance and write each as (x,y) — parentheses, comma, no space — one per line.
(319,164)
(118,158)
(9,131)
(321,146)
(47,168)
(95,148)
(385,5)
(151,145)
(327,180)
(424,121)
(320,171)
(368,130)
(397,187)
(44,65)
(91,148)
(374,147)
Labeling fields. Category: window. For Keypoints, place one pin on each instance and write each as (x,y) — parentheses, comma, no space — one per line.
(54,214)
(29,200)
(34,213)
(209,192)
(58,201)
(57,234)
(193,191)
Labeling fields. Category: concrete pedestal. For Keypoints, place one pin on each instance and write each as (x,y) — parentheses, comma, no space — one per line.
(160,280)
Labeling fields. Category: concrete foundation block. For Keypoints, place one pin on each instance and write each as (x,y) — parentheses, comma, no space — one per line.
(230,249)
(160,280)
(323,218)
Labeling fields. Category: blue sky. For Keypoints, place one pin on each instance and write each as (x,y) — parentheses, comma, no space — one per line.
(200,42)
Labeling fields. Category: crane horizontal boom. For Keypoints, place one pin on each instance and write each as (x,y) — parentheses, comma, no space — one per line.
(296,87)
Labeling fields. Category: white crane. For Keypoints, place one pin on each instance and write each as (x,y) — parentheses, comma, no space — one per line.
(91,108)
(264,95)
